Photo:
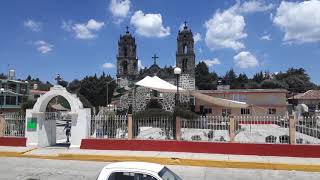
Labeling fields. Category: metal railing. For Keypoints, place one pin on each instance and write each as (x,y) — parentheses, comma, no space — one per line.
(109,126)
(262,129)
(308,130)
(205,128)
(14,125)
(153,127)
(241,129)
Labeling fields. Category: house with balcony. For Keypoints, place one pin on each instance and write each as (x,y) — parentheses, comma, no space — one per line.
(12,94)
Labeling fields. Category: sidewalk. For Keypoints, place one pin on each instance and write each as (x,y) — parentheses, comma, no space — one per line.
(168,158)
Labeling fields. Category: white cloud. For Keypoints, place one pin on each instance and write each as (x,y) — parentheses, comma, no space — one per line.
(225,30)
(149,25)
(197,37)
(212,62)
(200,50)
(83,30)
(245,60)
(140,65)
(32,25)
(67,25)
(43,47)
(254,6)
(108,66)
(300,21)
(266,37)
(119,9)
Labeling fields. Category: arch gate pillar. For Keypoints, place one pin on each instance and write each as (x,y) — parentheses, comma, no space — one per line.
(41,132)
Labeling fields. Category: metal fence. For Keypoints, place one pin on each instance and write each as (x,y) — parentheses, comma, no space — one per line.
(262,129)
(308,130)
(109,126)
(14,125)
(205,128)
(160,127)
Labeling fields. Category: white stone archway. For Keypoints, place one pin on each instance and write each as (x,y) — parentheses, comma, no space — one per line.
(38,130)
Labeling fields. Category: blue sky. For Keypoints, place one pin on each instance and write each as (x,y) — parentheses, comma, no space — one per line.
(78,38)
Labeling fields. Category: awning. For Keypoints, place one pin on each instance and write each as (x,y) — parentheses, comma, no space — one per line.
(219,101)
(161,85)
(158,84)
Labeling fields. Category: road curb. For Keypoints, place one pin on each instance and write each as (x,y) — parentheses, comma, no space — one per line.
(195,162)
(172,161)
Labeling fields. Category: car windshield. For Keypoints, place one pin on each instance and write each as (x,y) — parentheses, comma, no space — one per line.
(166,174)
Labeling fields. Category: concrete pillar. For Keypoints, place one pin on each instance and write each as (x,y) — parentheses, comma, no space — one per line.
(292,129)
(178,128)
(130,127)
(232,128)
(2,125)
(80,126)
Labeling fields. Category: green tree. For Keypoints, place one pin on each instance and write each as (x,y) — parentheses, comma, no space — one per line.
(230,78)
(273,84)
(204,79)
(241,81)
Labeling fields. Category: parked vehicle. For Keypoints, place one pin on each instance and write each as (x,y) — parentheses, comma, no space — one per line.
(136,171)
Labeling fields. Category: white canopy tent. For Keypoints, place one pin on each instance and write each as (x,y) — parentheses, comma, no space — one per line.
(161,85)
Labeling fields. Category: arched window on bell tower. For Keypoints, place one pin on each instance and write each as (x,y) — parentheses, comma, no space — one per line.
(125,51)
(185,49)
(124,67)
(184,65)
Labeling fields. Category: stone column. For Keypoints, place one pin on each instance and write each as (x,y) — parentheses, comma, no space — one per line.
(232,128)
(292,129)
(2,125)
(130,127)
(178,128)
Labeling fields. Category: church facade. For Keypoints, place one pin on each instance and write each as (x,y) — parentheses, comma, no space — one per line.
(128,72)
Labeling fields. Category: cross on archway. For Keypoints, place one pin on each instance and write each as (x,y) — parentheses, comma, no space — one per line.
(155,57)
(58,79)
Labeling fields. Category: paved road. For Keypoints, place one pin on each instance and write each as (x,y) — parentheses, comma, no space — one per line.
(35,169)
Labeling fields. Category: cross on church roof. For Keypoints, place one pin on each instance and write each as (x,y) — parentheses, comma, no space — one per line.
(155,58)
(185,25)
(127,27)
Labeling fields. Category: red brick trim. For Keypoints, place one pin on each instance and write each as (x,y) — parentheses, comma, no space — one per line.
(13,141)
(312,151)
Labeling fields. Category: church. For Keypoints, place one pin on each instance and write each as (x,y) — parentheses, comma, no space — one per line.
(128,72)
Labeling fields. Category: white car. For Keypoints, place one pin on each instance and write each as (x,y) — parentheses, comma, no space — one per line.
(136,171)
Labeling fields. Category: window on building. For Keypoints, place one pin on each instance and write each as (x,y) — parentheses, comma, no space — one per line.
(272,111)
(245,111)
(1,100)
(11,100)
(207,110)
(226,112)
(23,89)
(12,87)
(239,97)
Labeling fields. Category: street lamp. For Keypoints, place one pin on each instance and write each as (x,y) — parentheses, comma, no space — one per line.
(108,90)
(177,72)
(1,103)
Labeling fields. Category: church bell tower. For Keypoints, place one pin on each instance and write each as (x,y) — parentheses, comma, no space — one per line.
(127,62)
(185,56)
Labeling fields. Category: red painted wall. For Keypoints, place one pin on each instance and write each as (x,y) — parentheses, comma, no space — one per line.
(13,141)
(204,147)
